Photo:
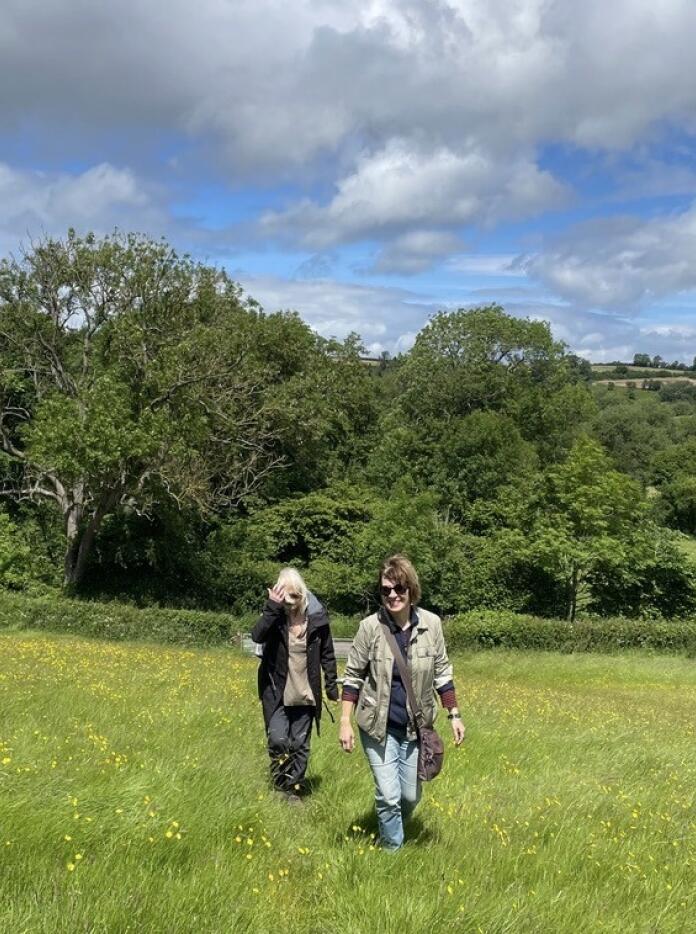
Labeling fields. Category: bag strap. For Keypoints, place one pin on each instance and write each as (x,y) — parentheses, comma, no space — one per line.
(405,677)
(328,710)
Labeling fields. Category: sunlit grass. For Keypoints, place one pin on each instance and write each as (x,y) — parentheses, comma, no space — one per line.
(133,796)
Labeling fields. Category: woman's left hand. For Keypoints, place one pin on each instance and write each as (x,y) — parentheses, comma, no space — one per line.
(276,594)
(458,731)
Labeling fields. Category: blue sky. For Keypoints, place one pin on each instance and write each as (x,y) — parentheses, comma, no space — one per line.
(368,163)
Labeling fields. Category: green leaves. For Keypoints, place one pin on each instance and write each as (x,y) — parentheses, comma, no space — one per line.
(129,374)
(591,522)
(476,359)
(14,554)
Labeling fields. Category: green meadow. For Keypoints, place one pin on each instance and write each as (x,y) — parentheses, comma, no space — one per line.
(133,797)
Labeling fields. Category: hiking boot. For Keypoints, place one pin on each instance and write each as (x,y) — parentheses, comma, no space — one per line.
(288,796)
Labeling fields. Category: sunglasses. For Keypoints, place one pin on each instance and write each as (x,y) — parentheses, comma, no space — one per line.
(399,590)
(293,596)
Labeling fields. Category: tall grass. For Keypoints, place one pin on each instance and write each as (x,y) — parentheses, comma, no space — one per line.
(133,797)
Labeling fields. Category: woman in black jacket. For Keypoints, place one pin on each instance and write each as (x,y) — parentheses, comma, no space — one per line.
(296,638)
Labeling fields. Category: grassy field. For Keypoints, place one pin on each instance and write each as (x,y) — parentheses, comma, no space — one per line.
(133,798)
(658,371)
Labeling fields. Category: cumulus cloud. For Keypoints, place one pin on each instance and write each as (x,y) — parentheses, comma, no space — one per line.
(318,266)
(414,252)
(620,264)
(281,84)
(400,187)
(385,318)
(400,121)
(390,318)
(36,203)
(487,264)
(592,335)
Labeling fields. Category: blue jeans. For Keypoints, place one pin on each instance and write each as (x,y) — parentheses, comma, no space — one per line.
(397,789)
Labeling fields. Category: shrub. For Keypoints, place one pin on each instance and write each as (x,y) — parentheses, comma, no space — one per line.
(14,555)
(495,629)
(118,621)
(472,631)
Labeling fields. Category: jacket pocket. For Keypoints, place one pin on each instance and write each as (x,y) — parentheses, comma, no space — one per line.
(366,714)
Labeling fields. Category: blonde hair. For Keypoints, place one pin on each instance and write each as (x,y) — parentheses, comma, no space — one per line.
(399,570)
(291,579)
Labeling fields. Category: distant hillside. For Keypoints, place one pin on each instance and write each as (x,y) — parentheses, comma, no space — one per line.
(607,372)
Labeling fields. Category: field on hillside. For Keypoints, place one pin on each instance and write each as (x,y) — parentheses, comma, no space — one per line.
(133,797)
(658,371)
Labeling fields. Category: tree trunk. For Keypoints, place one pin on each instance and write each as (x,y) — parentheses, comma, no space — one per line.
(81,541)
(573,601)
(76,556)
(73,515)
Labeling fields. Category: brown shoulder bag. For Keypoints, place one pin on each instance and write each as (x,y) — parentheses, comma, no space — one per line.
(431,749)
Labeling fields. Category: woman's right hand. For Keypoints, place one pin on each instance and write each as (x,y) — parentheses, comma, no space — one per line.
(346,737)
(277,594)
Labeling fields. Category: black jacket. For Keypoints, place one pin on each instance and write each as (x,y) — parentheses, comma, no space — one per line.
(272,631)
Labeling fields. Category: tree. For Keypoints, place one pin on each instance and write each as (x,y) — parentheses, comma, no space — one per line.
(642,359)
(656,578)
(469,463)
(326,402)
(587,516)
(14,554)
(128,376)
(474,359)
(678,503)
(633,433)
(579,368)
(480,400)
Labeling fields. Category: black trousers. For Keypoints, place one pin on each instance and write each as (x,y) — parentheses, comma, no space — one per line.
(289,736)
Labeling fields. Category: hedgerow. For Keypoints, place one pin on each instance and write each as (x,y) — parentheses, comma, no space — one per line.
(483,629)
(474,630)
(118,621)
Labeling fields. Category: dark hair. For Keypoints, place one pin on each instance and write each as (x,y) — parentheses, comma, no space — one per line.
(399,570)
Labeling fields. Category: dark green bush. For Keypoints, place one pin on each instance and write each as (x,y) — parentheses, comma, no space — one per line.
(477,629)
(482,629)
(118,621)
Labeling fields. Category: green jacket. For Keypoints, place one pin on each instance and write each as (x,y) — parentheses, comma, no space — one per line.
(369,671)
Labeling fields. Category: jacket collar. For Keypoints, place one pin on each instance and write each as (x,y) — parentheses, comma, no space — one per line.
(384,616)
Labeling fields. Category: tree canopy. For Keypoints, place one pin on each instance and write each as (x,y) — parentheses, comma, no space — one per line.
(158,426)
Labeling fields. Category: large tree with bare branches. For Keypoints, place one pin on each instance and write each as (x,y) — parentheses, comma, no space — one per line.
(128,374)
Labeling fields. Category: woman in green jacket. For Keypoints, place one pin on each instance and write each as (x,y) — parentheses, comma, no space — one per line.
(373,689)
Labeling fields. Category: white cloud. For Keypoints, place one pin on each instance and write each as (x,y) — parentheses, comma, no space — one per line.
(36,203)
(390,319)
(54,197)
(413,118)
(280,84)
(487,264)
(414,252)
(400,187)
(620,264)
(604,337)
(385,318)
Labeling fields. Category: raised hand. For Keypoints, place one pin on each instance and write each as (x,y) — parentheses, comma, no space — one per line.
(277,594)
